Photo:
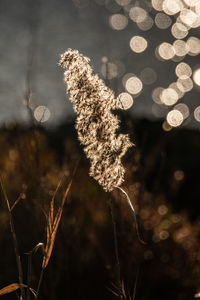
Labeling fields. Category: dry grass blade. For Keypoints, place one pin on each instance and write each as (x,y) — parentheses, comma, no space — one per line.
(16,201)
(53,224)
(11,288)
(16,247)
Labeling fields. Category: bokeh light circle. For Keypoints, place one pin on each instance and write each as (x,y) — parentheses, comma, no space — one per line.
(138,44)
(196,76)
(175,118)
(42,113)
(125,101)
(197,113)
(183,70)
(134,85)
(169,96)
(166,51)
(118,21)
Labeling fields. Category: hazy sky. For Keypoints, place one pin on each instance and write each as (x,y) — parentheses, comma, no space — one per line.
(46,28)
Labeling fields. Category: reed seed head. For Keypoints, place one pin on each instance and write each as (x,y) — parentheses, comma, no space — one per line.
(93,101)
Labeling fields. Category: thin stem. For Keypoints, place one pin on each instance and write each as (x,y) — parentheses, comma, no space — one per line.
(29,275)
(134,215)
(16,247)
(116,247)
(39,283)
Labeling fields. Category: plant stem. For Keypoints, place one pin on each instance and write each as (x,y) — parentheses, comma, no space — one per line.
(16,247)
(116,247)
(39,283)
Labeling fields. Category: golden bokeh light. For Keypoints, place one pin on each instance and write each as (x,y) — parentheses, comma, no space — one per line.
(134,85)
(183,70)
(118,21)
(196,76)
(42,113)
(191,2)
(166,51)
(174,86)
(138,44)
(169,96)
(148,76)
(162,210)
(174,118)
(193,45)
(197,8)
(166,126)
(137,14)
(125,100)
(188,17)
(183,108)
(156,95)
(157,4)
(185,85)
(179,30)
(146,24)
(162,21)
(181,48)
(197,113)
(178,175)
(171,7)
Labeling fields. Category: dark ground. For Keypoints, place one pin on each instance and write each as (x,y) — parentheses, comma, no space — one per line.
(162,180)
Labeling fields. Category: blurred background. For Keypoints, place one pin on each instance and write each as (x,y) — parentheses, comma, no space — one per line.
(147,52)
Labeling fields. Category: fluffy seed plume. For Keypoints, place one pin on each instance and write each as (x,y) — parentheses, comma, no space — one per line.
(93,101)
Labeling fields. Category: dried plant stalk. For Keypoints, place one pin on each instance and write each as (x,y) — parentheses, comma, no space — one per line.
(96,125)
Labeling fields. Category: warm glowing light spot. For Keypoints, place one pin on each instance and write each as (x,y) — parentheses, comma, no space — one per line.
(174,86)
(174,118)
(104,59)
(166,126)
(181,48)
(137,14)
(194,46)
(138,44)
(162,210)
(183,70)
(162,21)
(148,76)
(146,24)
(179,30)
(42,113)
(183,108)
(197,113)
(164,234)
(112,70)
(166,51)
(125,100)
(171,7)
(197,8)
(188,17)
(196,24)
(185,85)
(134,85)
(123,2)
(178,175)
(196,77)
(169,96)
(156,95)
(118,21)
(191,2)
(157,4)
